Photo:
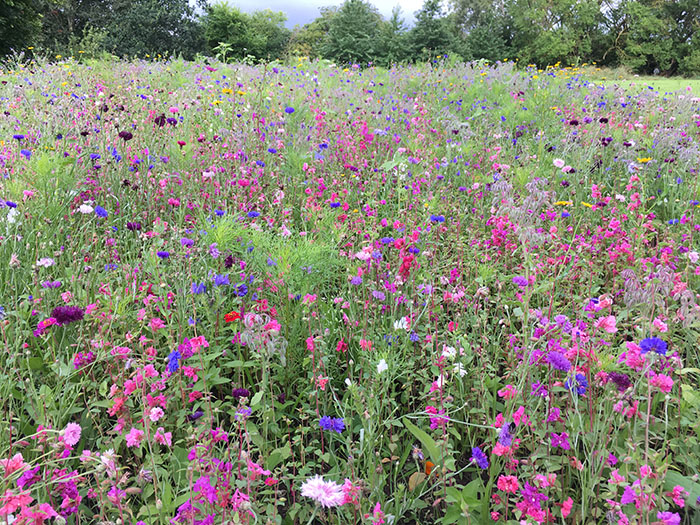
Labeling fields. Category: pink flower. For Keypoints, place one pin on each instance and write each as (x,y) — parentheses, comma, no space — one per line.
(660,325)
(678,495)
(134,437)
(13,464)
(164,438)
(10,502)
(325,493)
(508,392)
(71,434)
(351,493)
(607,324)
(662,382)
(156,324)
(155,414)
(669,518)
(508,484)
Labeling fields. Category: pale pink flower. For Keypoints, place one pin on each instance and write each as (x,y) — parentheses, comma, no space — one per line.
(325,493)
(607,324)
(71,434)
(155,414)
(13,464)
(164,438)
(660,325)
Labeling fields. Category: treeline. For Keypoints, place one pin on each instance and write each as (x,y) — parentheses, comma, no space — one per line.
(647,36)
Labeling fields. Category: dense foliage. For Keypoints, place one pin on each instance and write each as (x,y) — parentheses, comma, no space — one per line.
(312,294)
(646,36)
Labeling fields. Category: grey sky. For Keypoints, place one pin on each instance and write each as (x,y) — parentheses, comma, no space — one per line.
(303,11)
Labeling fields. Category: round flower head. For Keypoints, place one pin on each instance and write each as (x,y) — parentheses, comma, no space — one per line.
(325,493)
(653,344)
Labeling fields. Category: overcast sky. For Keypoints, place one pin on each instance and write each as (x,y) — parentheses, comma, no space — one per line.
(304,11)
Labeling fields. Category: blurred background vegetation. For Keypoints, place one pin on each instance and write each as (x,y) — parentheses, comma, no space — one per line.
(660,37)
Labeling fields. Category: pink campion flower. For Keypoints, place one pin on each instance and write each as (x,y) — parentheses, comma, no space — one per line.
(508,392)
(164,438)
(13,464)
(566,507)
(156,324)
(607,324)
(508,484)
(616,478)
(10,502)
(351,493)
(678,495)
(501,450)
(662,382)
(134,437)
(310,345)
(377,515)
(660,325)
(198,342)
(36,515)
(365,344)
(71,434)
(545,481)
(67,297)
(255,470)
(633,357)
(645,471)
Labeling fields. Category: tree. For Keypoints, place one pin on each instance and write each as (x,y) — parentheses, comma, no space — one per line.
(267,34)
(431,35)
(393,40)
(227,25)
(20,22)
(353,33)
(309,39)
(486,27)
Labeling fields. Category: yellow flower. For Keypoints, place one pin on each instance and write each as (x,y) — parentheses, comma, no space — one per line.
(563,203)
(240,92)
(587,205)
(227,91)
(643,160)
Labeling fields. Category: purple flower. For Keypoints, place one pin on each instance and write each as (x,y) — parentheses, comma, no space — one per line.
(240,392)
(51,284)
(558,361)
(561,440)
(505,438)
(480,458)
(133,226)
(622,381)
(332,423)
(163,255)
(289,110)
(520,281)
(101,212)
(628,496)
(198,288)
(357,280)
(67,314)
(653,344)
(173,361)
(579,384)
(221,280)
(28,479)
(214,251)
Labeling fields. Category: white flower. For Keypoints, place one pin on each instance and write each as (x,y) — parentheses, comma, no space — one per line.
(381,366)
(459,369)
(86,208)
(401,324)
(449,351)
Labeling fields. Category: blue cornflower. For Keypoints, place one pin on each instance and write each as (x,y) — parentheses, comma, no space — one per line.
(260,163)
(101,212)
(253,214)
(565,214)
(241,290)
(335,205)
(186,242)
(387,240)
(26,153)
(437,218)
(414,250)
(271,262)
(173,361)
(220,213)
(653,344)
(221,280)
(198,288)
(271,150)
(11,204)
(18,137)
(95,156)
(579,384)
(414,337)
(289,110)
(673,222)
(163,255)
(480,458)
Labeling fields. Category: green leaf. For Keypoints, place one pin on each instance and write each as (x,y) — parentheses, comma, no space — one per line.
(427,442)
(693,487)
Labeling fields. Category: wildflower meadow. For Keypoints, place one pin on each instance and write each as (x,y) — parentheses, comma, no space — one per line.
(444,293)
